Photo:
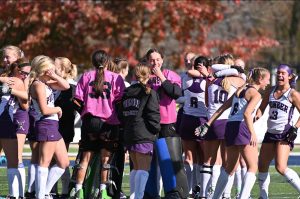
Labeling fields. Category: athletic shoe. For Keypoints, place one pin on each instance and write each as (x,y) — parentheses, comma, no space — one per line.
(48,196)
(103,194)
(122,195)
(76,195)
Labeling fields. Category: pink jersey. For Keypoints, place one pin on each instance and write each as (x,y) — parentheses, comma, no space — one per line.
(167,105)
(103,105)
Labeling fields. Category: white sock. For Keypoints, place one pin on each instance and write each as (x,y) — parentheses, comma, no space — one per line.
(41,181)
(215,176)
(264,181)
(205,174)
(238,180)
(65,181)
(227,190)
(292,178)
(22,180)
(78,187)
(221,184)
(141,178)
(132,183)
(248,185)
(102,187)
(31,177)
(13,185)
(243,173)
(189,174)
(54,174)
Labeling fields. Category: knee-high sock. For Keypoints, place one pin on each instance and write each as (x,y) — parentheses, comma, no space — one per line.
(141,178)
(238,179)
(31,177)
(221,184)
(54,174)
(243,173)
(196,173)
(189,174)
(292,178)
(13,185)
(205,174)
(248,185)
(132,183)
(228,187)
(264,181)
(65,180)
(41,181)
(215,176)
(21,179)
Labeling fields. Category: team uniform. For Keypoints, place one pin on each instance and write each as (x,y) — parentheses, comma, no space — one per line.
(46,126)
(194,109)
(280,116)
(7,108)
(168,146)
(216,98)
(99,113)
(236,131)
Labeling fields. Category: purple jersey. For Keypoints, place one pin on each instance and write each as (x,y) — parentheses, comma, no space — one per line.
(102,105)
(167,105)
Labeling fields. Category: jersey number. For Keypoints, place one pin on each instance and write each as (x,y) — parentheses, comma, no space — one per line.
(194,102)
(235,108)
(106,91)
(274,115)
(220,96)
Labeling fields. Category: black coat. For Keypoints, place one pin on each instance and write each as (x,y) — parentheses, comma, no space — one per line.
(140,116)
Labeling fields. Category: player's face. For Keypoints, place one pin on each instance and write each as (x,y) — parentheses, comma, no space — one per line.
(282,77)
(188,59)
(9,57)
(155,60)
(265,81)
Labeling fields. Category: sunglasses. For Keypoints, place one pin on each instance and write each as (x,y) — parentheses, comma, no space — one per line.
(24,73)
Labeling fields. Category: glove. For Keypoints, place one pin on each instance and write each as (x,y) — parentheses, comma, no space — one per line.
(4,89)
(202,130)
(292,134)
(238,68)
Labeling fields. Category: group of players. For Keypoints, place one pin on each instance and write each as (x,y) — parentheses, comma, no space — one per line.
(214,125)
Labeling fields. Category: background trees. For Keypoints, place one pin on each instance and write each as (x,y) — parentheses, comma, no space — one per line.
(128,28)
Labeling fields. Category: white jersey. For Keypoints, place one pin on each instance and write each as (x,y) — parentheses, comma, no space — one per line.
(194,96)
(280,112)
(50,103)
(239,105)
(8,102)
(216,98)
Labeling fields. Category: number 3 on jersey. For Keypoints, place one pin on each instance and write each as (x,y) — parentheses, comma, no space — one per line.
(274,115)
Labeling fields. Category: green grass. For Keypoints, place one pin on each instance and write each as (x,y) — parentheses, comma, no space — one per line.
(279,188)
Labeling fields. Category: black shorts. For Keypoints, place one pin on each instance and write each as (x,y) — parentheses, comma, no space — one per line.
(107,135)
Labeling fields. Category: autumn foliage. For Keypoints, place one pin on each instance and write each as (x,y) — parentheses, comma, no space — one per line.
(124,28)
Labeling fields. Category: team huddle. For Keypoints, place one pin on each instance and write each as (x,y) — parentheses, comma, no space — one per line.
(197,150)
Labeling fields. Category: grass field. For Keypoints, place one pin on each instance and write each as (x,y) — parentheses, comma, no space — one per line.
(279,188)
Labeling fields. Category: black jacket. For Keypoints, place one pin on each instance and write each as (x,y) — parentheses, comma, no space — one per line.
(140,116)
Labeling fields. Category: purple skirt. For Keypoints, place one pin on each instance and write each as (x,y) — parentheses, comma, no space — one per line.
(273,138)
(144,148)
(237,133)
(216,131)
(47,130)
(8,129)
(188,125)
(21,121)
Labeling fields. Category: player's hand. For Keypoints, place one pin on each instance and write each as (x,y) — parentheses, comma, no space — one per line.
(292,134)
(202,130)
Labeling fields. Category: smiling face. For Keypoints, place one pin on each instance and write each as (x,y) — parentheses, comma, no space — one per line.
(265,81)
(155,60)
(282,77)
(9,57)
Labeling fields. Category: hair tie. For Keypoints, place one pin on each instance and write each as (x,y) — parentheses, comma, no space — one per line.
(251,71)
